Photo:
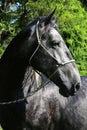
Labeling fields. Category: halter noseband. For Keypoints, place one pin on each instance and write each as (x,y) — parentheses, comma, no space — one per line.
(39,44)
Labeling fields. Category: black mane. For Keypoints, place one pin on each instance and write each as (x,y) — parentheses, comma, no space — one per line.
(18,39)
(24,33)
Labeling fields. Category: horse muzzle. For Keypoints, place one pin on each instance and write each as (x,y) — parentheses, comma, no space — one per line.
(66,93)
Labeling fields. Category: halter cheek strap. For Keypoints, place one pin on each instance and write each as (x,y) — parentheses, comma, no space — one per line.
(40,44)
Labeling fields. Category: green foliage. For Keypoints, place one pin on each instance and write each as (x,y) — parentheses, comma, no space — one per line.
(72,23)
(0,128)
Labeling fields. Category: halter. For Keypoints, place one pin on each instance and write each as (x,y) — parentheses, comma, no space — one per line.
(45,83)
(40,44)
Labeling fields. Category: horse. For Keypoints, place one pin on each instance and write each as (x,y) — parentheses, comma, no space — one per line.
(38,46)
(49,110)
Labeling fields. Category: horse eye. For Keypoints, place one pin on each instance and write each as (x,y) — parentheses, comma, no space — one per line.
(56,43)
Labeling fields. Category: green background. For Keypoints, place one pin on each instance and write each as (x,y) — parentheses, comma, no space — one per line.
(71,18)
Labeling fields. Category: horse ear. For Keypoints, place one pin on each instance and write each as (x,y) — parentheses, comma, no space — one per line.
(48,18)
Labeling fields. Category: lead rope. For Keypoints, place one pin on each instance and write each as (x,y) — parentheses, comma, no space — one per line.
(30,94)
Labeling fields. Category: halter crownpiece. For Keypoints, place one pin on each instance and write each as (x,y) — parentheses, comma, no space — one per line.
(40,44)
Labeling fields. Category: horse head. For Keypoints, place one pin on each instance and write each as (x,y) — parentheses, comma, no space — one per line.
(53,58)
(40,45)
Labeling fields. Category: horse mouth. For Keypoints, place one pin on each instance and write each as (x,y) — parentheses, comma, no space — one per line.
(66,93)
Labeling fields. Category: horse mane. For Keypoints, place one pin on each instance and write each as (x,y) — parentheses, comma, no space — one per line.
(22,35)
(18,39)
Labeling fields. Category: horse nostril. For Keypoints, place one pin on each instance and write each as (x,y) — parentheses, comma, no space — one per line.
(77,86)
